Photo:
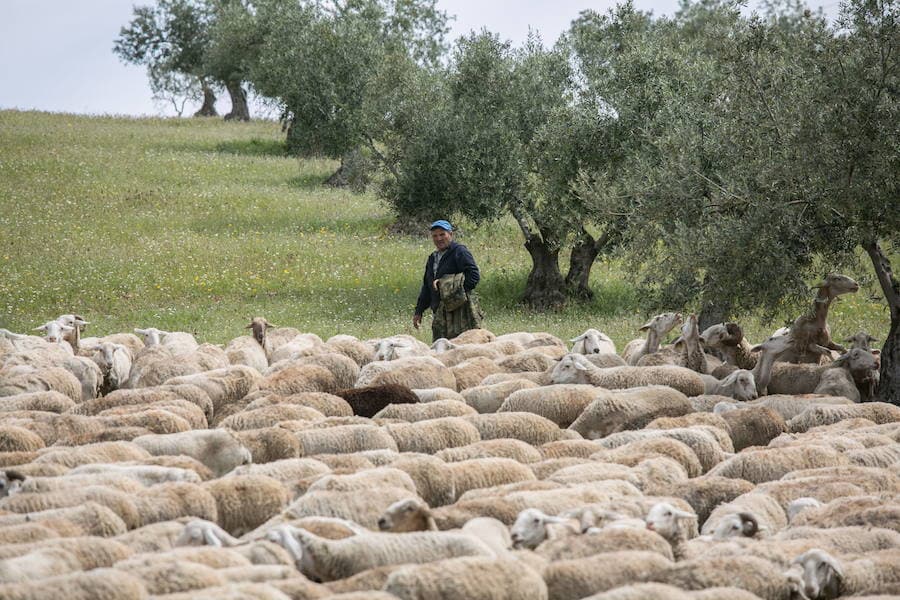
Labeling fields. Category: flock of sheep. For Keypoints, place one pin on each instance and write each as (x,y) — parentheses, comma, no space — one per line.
(484,467)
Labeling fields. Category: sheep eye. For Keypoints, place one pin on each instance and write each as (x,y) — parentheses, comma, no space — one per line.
(536,521)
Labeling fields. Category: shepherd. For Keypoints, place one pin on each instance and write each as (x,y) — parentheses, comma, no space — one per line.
(448,287)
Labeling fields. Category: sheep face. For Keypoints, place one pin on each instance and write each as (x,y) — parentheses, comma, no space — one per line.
(858,361)
(722,335)
(836,284)
(199,532)
(572,368)
(742,385)
(861,340)
(389,349)
(259,325)
(530,529)
(665,519)
(404,516)
(738,525)
(442,345)
(779,343)
(822,574)
(662,324)
(10,483)
(54,331)
(152,336)
(593,342)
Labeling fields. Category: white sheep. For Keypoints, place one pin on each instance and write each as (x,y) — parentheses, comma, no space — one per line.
(533,526)
(218,449)
(740,385)
(593,341)
(576,368)
(329,560)
(656,329)
(825,577)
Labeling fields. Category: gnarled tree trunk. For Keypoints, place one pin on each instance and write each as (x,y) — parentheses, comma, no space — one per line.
(582,258)
(545,286)
(889,385)
(239,109)
(208,109)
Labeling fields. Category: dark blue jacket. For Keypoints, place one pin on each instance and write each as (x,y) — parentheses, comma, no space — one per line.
(457,259)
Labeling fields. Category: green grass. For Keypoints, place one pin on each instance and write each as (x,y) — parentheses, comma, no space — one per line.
(198,225)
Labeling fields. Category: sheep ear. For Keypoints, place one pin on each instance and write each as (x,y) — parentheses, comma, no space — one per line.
(580,366)
(210,538)
(140,331)
(577,339)
(875,352)
(250,326)
(270,324)
(41,328)
(67,328)
(683,514)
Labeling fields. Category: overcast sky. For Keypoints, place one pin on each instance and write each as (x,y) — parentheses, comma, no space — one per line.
(56,55)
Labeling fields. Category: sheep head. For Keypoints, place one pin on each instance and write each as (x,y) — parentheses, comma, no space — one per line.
(836,284)
(665,519)
(741,385)
(823,575)
(10,482)
(594,341)
(55,331)
(742,524)
(861,340)
(572,368)
(530,528)
(721,335)
(407,515)
(858,361)
(259,325)
(662,324)
(442,345)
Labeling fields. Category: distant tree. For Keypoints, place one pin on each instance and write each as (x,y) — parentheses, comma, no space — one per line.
(769,148)
(502,132)
(169,38)
(321,59)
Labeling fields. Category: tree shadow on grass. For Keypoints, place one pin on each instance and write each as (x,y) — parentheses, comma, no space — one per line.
(253,147)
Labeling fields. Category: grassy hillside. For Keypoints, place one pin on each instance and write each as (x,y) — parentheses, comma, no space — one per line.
(197,225)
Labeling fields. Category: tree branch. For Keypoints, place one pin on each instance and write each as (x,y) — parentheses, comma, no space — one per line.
(889,286)
(516,209)
(370,144)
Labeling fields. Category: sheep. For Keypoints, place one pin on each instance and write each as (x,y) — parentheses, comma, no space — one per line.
(530,428)
(246,350)
(533,360)
(438,394)
(167,575)
(799,505)
(705,444)
(634,408)
(749,573)
(430,436)
(810,335)
(489,398)
(352,348)
(398,346)
(302,344)
(415,372)
(344,439)
(91,518)
(533,526)
(99,584)
(705,493)
(568,448)
(425,411)
(369,400)
(573,579)
(538,377)
(861,340)
(114,361)
(575,368)
(329,560)
(834,379)
(740,385)
(593,342)
(269,416)
(656,329)
(49,401)
(217,449)
(243,502)
(26,379)
(768,513)
(685,352)
(474,579)
(727,339)
(817,415)
(363,508)
(872,510)
(364,480)
(501,448)
(753,426)
(825,577)
(843,540)
(19,439)
(474,336)
(288,471)
(344,369)
(758,466)
(559,403)
(10,482)
(411,514)
(471,373)
(661,591)
(635,452)
(224,385)
(455,355)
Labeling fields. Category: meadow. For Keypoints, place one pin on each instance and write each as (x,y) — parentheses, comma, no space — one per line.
(198,225)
